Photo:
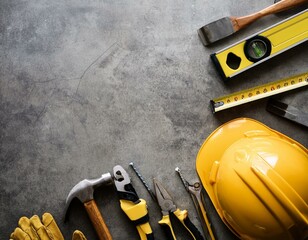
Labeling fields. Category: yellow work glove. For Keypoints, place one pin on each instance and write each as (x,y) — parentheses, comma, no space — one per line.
(35,229)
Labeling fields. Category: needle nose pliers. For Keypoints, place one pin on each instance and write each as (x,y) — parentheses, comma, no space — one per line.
(167,206)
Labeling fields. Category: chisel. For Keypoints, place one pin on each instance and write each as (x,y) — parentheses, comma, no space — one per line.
(287,111)
(227,26)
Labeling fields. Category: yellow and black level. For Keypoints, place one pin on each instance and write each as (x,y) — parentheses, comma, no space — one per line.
(262,91)
(262,46)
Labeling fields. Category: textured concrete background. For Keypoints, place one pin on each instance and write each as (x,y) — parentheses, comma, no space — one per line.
(87,85)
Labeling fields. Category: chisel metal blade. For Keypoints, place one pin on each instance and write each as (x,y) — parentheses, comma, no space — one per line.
(287,111)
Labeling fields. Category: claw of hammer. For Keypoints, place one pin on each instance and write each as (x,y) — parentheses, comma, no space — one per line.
(84,191)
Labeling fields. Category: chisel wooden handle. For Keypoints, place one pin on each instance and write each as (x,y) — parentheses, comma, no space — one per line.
(97,220)
(241,22)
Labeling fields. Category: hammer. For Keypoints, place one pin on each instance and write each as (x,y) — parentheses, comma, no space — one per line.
(84,192)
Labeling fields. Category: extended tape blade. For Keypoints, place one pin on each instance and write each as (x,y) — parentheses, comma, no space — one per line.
(259,92)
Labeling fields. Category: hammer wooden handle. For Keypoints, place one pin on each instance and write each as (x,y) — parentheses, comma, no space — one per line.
(97,220)
(241,22)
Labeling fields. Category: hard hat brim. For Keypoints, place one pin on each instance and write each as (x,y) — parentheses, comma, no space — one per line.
(236,159)
(220,139)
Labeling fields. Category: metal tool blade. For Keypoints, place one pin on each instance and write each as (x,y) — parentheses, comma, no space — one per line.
(216,30)
(163,198)
(123,185)
(143,181)
(195,193)
(287,111)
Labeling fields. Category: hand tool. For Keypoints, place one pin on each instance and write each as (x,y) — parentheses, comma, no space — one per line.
(84,192)
(262,46)
(143,181)
(195,193)
(227,26)
(212,225)
(133,206)
(287,111)
(259,92)
(167,206)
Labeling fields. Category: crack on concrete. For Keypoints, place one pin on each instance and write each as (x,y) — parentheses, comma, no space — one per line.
(40,114)
(84,72)
(91,64)
(55,79)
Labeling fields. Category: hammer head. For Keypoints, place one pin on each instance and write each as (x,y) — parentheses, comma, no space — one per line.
(84,190)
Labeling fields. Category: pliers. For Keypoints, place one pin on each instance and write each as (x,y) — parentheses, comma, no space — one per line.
(133,206)
(167,206)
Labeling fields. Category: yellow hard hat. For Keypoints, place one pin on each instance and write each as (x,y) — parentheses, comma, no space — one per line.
(257,180)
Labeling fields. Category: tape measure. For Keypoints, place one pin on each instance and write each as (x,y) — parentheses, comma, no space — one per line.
(259,92)
(262,46)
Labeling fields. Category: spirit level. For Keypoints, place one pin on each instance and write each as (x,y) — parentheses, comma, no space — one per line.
(262,46)
(262,91)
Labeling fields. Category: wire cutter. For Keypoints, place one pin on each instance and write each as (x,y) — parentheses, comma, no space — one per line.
(133,206)
(167,206)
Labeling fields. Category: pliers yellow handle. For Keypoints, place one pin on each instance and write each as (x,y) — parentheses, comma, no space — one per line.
(182,216)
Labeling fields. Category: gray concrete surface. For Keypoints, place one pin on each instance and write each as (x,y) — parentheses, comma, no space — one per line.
(87,85)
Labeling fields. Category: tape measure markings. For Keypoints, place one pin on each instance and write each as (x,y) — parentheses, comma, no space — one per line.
(259,92)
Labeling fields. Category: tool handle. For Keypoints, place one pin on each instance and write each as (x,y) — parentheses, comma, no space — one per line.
(199,205)
(242,22)
(166,224)
(143,235)
(191,228)
(138,214)
(97,220)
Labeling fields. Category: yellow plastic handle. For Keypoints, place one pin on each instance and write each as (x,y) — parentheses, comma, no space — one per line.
(145,231)
(190,227)
(138,214)
(166,224)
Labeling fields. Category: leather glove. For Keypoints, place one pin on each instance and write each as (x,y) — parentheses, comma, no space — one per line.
(35,229)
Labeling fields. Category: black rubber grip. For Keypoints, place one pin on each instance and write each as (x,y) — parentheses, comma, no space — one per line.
(150,236)
(141,220)
(167,231)
(196,234)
